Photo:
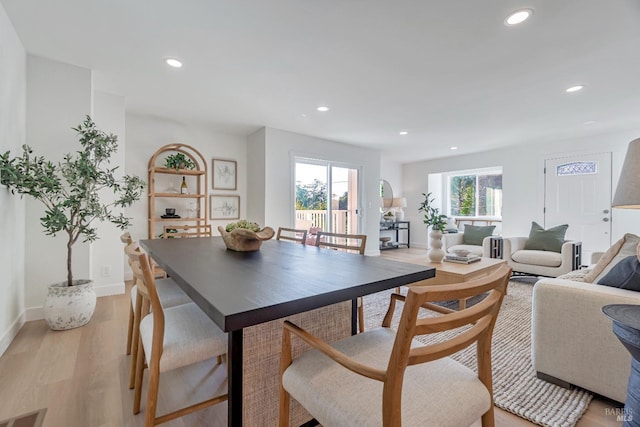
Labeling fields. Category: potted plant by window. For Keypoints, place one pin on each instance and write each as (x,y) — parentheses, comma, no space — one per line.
(437,221)
(70,191)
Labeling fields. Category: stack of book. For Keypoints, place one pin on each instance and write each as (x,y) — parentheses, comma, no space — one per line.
(461,259)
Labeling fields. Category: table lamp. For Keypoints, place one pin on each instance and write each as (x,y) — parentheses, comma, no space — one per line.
(626,317)
(398,204)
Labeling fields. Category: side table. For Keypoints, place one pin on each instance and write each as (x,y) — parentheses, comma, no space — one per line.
(626,326)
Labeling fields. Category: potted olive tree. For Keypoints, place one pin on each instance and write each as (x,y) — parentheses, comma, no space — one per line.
(70,192)
(437,221)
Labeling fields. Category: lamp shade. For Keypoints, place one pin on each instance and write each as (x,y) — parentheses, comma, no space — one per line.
(628,191)
(399,202)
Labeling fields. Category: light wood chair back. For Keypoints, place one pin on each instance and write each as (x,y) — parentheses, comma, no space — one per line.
(479,319)
(341,241)
(144,273)
(292,234)
(180,231)
(349,243)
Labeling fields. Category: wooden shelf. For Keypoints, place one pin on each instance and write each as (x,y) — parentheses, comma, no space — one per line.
(198,184)
(180,196)
(177,219)
(178,172)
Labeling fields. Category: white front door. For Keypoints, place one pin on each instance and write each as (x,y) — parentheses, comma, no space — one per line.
(578,193)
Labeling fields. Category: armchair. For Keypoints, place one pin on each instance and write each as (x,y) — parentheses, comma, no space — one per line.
(539,262)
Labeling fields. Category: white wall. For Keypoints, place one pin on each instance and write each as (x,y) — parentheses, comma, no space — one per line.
(280,148)
(146,134)
(13,72)
(256,153)
(107,266)
(523,181)
(392,172)
(58,98)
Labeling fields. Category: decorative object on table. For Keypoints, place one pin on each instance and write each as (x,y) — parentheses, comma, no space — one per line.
(224,174)
(434,219)
(466,259)
(225,207)
(389,216)
(71,192)
(179,161)
(244,236)
(397,205)
(626,326)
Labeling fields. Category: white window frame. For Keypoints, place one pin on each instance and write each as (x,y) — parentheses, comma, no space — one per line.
(446,183)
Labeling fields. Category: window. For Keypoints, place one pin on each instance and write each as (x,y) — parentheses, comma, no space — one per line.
(474,193)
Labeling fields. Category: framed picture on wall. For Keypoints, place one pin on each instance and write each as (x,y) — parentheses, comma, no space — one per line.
(224,174)
(224,207)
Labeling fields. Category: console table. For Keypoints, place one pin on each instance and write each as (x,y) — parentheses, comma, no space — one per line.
(397,227)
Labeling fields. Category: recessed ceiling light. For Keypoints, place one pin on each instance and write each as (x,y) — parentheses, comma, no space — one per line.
(303,115)
(589,122)
(323,108)
(575,88)
(403,132)
(453,148)
(173,62)
(518,17)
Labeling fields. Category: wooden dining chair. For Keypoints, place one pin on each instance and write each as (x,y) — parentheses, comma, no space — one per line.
(387,377)
(169,293)
(171,338)
(179,231)
(292,234)
(349,243)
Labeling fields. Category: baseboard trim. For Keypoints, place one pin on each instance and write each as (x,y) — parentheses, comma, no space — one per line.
(108,290)
(11,333)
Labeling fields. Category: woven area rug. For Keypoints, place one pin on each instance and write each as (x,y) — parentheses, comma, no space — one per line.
(516,388)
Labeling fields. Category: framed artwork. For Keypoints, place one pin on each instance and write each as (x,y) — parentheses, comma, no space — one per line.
(224,174)
(224,207)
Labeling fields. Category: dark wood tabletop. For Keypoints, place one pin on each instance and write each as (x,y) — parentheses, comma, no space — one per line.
(240,289)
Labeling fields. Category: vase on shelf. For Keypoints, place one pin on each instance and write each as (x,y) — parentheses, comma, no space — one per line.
(435,253)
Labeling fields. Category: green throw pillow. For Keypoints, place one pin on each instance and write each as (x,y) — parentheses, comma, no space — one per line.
(546,240)
(475,234)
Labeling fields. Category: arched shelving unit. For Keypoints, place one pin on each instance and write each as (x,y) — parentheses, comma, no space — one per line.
(164,190)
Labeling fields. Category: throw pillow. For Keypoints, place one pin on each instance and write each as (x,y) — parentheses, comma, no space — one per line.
(624,275)
(475,234)
(546,240)
(621,249)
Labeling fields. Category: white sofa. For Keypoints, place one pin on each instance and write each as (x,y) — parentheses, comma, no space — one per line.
(541,263)
(572,341)
(491,246)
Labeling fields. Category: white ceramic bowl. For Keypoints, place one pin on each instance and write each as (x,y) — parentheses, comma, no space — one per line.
(462,252)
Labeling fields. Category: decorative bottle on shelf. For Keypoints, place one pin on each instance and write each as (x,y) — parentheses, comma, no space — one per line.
(183,186)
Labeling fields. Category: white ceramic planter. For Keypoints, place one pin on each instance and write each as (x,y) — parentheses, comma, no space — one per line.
(435,254)
(68,307)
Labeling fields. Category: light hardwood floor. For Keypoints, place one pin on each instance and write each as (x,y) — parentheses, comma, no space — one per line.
(81,377)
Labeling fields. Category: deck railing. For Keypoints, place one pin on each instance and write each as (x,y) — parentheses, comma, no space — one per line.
(341,220)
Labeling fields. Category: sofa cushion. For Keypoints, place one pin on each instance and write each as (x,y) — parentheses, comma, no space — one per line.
(546,240)
(624,275)
(475,234)
(621,249)
(542,258)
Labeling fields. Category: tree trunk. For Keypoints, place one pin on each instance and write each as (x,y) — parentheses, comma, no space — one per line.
(69,274)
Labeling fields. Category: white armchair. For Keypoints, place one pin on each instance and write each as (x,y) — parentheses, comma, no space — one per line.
(541,263)
(491,246)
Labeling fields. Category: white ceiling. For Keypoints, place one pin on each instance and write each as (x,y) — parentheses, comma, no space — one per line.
(449,72)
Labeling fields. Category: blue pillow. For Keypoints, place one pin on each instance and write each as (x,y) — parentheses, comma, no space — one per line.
(624,275)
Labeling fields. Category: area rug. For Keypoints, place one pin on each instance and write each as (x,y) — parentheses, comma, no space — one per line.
(516,388)
(31,419)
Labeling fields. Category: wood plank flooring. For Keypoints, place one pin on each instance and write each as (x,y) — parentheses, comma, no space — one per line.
(81,376)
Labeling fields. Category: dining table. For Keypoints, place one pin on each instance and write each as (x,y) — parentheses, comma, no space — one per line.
(238,290)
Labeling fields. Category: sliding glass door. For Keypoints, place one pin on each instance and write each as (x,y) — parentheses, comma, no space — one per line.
(326,196)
